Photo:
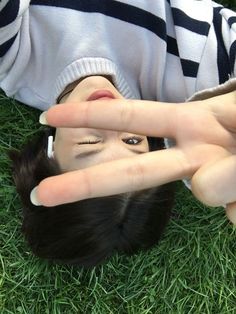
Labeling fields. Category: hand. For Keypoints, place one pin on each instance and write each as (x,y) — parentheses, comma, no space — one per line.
(204,132)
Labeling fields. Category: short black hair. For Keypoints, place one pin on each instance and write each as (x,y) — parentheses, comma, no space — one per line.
(89,231)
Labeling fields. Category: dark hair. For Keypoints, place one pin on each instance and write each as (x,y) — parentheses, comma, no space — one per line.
(86,232)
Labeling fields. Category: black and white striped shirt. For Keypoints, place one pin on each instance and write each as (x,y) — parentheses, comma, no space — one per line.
(153,49)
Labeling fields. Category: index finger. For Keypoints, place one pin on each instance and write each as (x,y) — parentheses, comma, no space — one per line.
(119,176)
(138,116)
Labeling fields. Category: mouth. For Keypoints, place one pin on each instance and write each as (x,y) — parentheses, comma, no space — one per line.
(101,94)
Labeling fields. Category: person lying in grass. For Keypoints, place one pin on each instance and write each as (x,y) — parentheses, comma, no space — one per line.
(160,51)
(89,231)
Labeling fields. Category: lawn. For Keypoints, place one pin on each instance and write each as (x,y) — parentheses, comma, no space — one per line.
(191,271)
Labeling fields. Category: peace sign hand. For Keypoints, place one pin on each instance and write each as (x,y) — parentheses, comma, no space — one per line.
(204,132)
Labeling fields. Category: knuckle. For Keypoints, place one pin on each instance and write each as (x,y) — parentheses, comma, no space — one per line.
(86,180)
(136,174)
(85,114)
(186,165)
(126,113)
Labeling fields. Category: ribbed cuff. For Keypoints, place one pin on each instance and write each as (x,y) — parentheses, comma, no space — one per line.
(88,67)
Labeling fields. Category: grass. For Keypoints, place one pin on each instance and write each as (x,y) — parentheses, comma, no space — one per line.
(228,3)
(191,271)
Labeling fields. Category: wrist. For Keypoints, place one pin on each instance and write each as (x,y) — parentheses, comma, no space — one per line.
(223,89)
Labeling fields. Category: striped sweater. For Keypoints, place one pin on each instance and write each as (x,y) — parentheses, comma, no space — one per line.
(153,49)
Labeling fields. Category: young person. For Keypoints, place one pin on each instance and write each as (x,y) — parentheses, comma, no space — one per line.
(203,152)
(162,50)
(87,232)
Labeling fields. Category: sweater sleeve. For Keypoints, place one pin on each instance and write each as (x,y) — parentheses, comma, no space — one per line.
(219,57)
(225,28)
(13,17)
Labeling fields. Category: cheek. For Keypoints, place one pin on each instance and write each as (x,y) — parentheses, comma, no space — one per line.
(64,140)
(64,134)
(63,146)
(62,156)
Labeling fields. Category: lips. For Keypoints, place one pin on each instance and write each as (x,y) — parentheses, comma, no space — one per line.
(101,94)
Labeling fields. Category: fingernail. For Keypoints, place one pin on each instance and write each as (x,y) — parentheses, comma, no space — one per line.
(43,119)
(33,197)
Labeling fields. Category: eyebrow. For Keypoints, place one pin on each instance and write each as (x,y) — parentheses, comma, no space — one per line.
(96,151)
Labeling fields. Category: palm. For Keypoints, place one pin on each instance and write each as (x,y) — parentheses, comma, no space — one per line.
(204,137)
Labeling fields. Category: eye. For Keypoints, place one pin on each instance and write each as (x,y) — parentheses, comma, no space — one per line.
(89,142)
(134,140)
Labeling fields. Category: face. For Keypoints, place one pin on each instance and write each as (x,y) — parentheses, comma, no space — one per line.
(77,148)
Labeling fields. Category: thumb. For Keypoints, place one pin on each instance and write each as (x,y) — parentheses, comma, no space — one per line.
(231,212)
